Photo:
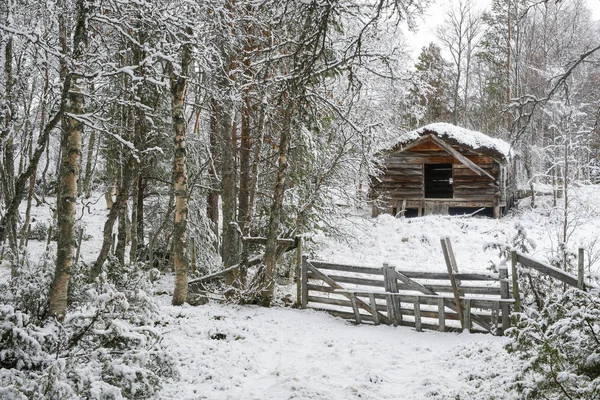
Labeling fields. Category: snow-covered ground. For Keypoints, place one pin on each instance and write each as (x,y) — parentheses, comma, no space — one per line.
(232,352)
(235,352)
(414,243)
(282,353)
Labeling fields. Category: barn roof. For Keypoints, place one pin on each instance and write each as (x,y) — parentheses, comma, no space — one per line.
(456,135)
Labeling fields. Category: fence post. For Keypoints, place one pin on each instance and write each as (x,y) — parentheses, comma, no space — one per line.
(304,283)
(467,309)
(355,308)
(395,299)
(441,314)
(417,304)
(451,265)
(515,281)
(503,275)
(390,301)
(298,269)
(580,284)
(374,308)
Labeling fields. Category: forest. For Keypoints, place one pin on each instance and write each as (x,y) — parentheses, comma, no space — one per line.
(145,144)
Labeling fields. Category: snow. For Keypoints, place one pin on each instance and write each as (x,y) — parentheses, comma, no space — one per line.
(248,352)
(233,352)
(474,140)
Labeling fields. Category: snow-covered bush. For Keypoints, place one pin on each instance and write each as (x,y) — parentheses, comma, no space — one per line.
(519,242)
(38,231)
(106,347)
(560,346)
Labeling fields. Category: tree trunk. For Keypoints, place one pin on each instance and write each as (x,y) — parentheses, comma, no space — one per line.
(141,187)
(25,229)
(121,235)
(134,218)
(87,183)
(228,195)
(69,172)
(213,196)
(245,151)
(180,260)
(115,211)
(253,181)
(270,260)
(8,172)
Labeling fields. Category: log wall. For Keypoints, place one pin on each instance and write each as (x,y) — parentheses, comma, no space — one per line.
(403,179)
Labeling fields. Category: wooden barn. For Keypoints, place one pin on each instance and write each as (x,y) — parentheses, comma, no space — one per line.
(440,169)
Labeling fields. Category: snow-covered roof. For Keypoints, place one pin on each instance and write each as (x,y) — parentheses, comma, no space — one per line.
(477,141)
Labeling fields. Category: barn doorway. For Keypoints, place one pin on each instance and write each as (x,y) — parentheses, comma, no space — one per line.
(438,181)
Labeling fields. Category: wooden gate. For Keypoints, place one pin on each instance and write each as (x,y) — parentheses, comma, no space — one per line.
(432,300)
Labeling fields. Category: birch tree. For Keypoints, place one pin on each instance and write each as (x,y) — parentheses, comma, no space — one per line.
(69,170)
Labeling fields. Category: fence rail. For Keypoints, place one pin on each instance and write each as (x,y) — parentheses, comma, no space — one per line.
(413,298)
(565,277)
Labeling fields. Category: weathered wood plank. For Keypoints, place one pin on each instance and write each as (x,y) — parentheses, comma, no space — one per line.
(304,277)
(486,290)
(330,301)
(450,264)
(451,316)
(417,306)
(391,303)
(476,302)
(345,268)
(399,178)
(403,157)
(465,276)
(515,281)
(352,280)
(441,315)
(322,289)
(460,157)
(297,271)
(397,165)
(468,314)
(454,307)
(355,308)
(374,309)
(556,273)
(332,283)
(394,289)
(397,187)
(503,274)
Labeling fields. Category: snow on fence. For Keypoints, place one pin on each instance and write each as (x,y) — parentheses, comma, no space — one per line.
(431,300)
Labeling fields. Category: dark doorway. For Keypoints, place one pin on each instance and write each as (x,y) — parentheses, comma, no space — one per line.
(438,181)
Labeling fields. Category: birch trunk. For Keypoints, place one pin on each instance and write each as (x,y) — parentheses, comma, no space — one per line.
(69,172)
(213,196)
(180,260)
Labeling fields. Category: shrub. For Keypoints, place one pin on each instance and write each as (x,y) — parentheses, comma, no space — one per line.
(107,346)
(560,346)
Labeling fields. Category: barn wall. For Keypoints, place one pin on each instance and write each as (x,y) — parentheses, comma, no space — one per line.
(403,177)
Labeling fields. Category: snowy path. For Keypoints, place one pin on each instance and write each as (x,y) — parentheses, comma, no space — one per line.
(282,353)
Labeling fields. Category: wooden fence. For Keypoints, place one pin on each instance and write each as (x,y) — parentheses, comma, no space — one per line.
(432,300)
(565,277)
